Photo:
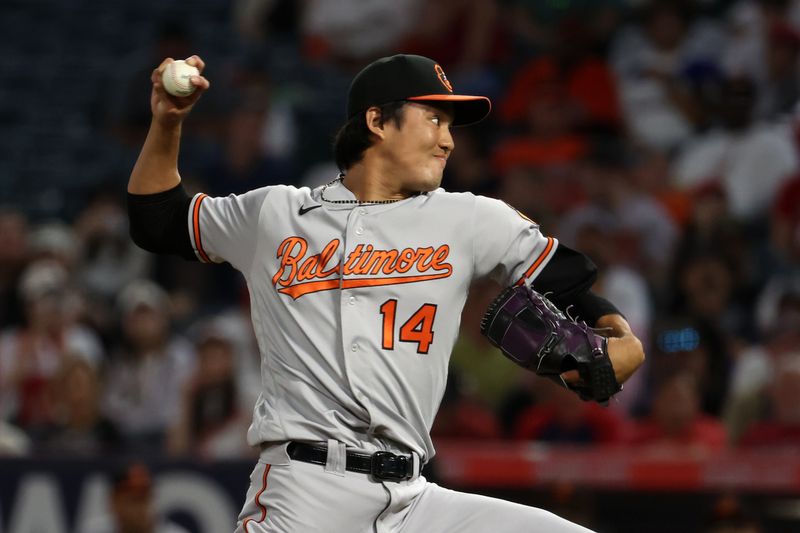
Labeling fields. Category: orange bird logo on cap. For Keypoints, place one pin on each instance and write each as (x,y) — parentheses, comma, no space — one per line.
(442,77)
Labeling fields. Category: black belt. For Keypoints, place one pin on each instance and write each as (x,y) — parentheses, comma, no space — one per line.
(380,465)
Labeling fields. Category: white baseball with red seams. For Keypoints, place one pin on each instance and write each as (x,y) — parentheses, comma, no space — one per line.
(177,78)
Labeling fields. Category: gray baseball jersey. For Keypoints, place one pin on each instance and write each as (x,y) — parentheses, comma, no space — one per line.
(357,307)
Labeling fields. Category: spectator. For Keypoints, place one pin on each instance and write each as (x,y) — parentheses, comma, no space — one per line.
(644,232)
(460,33)
(781,427)
(711,230)
(697,347)
(583,80)
(78,428)
(354,30)
(650,176)
(561,417)
(538,165)
(763,45)
(705,288)
(676,424)
(748,160)
(108,258)
(212,423)
(549,138)
(247,160)
(659,64)
(130,507)
(149,369)
(32,354)
(778,315)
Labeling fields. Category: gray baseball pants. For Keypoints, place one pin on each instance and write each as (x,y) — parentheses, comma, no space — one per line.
(288,496)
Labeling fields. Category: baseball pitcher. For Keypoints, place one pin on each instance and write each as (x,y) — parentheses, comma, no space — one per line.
(356,292)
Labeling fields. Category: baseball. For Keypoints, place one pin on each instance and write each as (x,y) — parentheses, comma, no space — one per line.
(177,78)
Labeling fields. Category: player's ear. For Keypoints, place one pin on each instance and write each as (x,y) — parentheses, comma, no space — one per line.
(375,122)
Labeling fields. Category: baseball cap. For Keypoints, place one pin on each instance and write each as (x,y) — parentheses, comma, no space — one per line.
(414,78)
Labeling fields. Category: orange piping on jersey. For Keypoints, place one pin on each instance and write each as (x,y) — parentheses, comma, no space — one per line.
(538,261)
(258,501)
(196,227)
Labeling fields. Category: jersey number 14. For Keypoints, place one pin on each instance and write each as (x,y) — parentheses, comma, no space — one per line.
(417,329)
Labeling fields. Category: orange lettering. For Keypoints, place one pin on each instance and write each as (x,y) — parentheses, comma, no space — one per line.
(307,269)
(439,257)
(351,259)
(382,258)
(289,259)
(405,261)
(327,253)
(298,274)
(361,265)
(423,254)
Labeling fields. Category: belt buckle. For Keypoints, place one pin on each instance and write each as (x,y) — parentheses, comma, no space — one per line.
(387,466)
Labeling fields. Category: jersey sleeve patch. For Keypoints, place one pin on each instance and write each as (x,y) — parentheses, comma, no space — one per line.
(194,227)
(540,261)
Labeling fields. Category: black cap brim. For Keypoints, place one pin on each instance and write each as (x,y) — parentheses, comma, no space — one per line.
(468,109)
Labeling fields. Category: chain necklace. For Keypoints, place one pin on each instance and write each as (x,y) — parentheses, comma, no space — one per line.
(340,178)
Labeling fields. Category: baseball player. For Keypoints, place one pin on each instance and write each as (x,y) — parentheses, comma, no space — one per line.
(356,293)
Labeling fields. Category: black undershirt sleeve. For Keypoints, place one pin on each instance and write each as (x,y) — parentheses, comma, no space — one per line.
(159,222)
(567,274)
(589,307)
(566,280)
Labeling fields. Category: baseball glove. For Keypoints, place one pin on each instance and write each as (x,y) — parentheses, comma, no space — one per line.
(536,335)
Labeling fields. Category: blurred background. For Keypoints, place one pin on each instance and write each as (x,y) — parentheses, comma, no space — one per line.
(659,137)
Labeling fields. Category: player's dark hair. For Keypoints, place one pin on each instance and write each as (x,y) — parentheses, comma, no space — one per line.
(354,137)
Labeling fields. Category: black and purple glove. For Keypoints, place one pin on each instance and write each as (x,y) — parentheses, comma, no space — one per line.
(536,335)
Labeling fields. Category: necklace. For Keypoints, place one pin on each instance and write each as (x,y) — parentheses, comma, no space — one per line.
(340,178)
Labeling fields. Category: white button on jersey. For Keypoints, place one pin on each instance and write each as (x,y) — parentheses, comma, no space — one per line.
(354,347)
(352,300)
(362,211)
(359,230)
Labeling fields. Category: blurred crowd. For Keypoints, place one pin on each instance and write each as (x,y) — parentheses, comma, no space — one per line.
(661,138)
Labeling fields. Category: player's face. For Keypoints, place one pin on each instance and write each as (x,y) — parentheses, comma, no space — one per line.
(418,149)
